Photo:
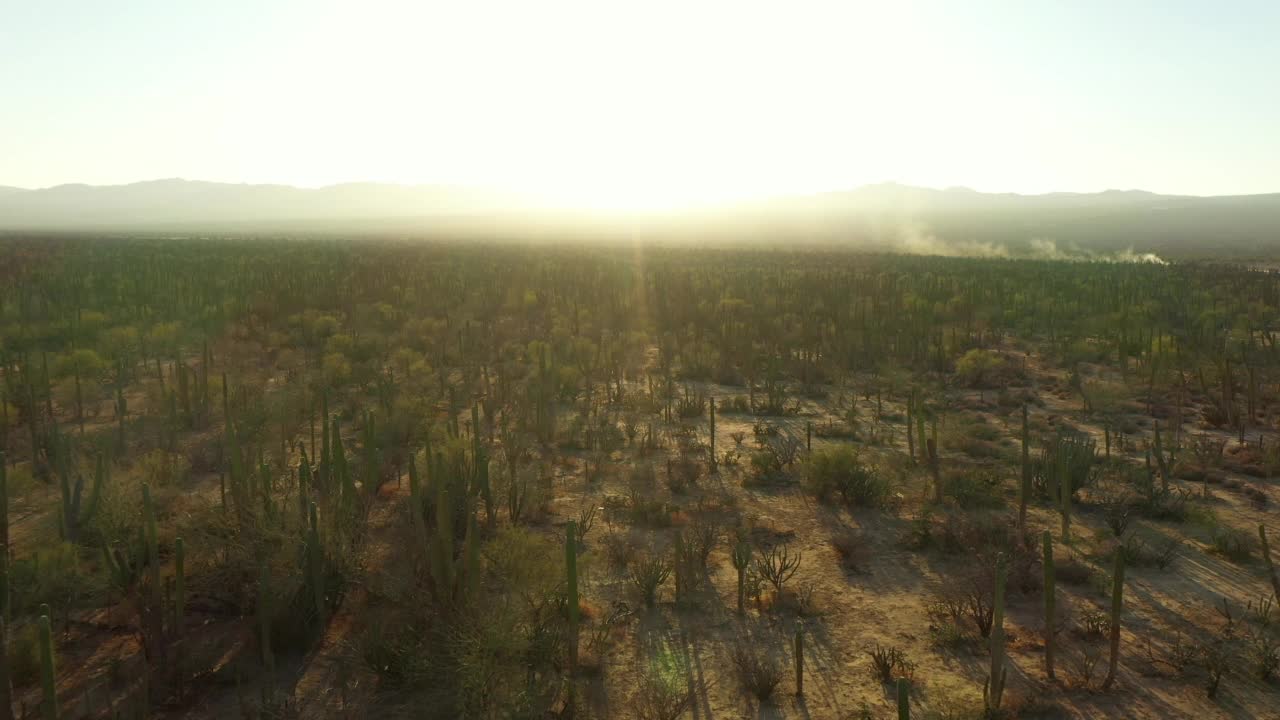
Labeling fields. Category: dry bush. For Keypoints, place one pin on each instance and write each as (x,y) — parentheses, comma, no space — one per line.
(619,547)
(888,663)
(648,571)
(1081,659)
(664,691)
(682,473)
(1234,544)
(757,670)
(777,565)
(851,547)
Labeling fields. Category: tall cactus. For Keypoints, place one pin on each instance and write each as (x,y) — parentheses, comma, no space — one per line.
(48,674)
(741,560)
(1050,603)
(1064,495)
(264,616)
(1117,604)
(315,566)
(179,586)
(993,691)
(4,538)
(179,605)
(417,506)
(153,614)
(1266,557)
(480,468)
(304,482)
(712,434)
(679,568)
(920,439)
(6,686)
(323,467)
(571,601)
(122,409)
(1160,459)
(911,438)
(340,471)
(1024,487)
(73,516)
(904,700)
(372,457)
(151,539)
(934,470)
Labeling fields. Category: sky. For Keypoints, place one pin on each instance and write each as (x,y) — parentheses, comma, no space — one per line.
(645,104)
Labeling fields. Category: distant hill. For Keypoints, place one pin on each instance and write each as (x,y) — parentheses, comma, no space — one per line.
(882,216)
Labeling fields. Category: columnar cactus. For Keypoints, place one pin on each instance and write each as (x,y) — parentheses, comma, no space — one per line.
(911,438)
(73,517)
(741,561)
(325,450)
(1160,459)
(304,482)
(264,616)
(315,566)
(993,691)
(49,696)
(480,465)
(416,503)
(904,700)
(1050,601)
(571,601)
(340,471)
(6,687)
(4,538)
(152,547)
(1024,487)
(934,470)
(1064,494)
(1266,557)
(179,586)
(712,405)
(1117,604)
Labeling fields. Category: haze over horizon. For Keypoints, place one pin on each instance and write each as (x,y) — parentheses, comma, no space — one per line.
(621,105)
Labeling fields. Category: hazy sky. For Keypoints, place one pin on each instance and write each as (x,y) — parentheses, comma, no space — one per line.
(646,103)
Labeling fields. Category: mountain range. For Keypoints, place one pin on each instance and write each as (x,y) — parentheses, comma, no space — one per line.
(886,215)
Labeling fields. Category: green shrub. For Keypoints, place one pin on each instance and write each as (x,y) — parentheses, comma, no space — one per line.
(979,368)
(52,575)
(974,489)
(839,472)
(24,655)
(1233,544)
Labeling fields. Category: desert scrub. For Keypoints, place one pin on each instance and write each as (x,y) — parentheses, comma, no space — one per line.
(56,576)
(664,691)
(889,663)
(851,547)
(757,669)
(24,654)
(838,473)
(975,489)
(1234,544)
(647,572)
